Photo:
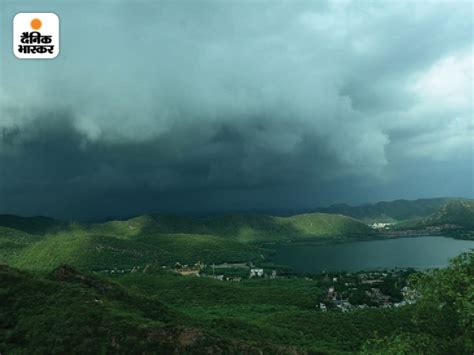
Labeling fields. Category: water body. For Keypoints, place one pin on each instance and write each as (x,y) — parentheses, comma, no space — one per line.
(417,252)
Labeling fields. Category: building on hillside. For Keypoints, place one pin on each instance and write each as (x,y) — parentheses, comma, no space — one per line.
(332,294)
(256,272)
(232,266)
(187,272)
(381,225)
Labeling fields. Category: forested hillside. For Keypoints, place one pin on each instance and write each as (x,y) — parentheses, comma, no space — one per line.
(389,211)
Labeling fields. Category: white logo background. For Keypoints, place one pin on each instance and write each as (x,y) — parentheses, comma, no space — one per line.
(49,27)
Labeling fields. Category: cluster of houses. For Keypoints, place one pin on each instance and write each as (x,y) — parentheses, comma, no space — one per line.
(125,271)
(197,270)
(222,278)
(429,230)
(369,283)
(410,295)
(336,301)
(382,301)
(379,226)
(348,291)
(260,273)
(256,273)
(187,270)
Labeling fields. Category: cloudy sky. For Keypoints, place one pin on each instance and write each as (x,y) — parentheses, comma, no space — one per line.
(197,106)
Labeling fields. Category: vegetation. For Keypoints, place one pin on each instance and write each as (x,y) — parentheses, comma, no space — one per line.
(162,240)
(111,288)
(392,211)
(443,316)
(241,227)
(454,214)
(32,225)
(68,311)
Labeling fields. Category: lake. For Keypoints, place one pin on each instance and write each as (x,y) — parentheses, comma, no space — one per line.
(416,252)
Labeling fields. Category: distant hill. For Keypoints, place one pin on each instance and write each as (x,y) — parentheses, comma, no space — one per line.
(13,242)
(163,240)
(455,213)
(91,252)
(459,212)
(32,225)
(390,211)
(242,227)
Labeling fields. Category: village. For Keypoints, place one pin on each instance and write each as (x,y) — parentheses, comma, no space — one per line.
(233,272)
(387,229)
(343,291)
(371,290)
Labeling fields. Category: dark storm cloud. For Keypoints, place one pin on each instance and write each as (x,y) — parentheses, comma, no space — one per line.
(212,105)
(50,156)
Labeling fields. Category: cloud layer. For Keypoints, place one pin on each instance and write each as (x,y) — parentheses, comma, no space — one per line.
(195,106)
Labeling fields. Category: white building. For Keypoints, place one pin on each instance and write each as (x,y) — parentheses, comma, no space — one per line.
(381,225)
(256,272)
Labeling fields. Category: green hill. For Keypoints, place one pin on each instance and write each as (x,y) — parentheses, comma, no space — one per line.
(70,312)
(165,240)
(454,214)
(460,213)
(84,251)
(241,227)
(106,253)
(86,308)
(32,225)
(13,243)
(390,211)
(323,224)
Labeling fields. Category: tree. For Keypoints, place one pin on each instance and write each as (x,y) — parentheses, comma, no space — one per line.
(444,313)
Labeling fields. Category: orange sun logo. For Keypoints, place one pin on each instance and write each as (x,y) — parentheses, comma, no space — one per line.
(36,24)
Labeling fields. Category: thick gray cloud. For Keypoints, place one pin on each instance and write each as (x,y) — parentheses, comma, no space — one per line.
(210,105)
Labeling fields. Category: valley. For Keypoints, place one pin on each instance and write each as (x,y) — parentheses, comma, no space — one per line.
(187,284)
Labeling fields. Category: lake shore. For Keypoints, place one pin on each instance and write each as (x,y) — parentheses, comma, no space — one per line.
(419,252)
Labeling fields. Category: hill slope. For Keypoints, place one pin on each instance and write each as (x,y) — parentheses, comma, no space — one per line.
(456,214)
(460,213)
(242,227)
(390,211)
(70,312)
(32,225)
(165,240)
(90,252)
